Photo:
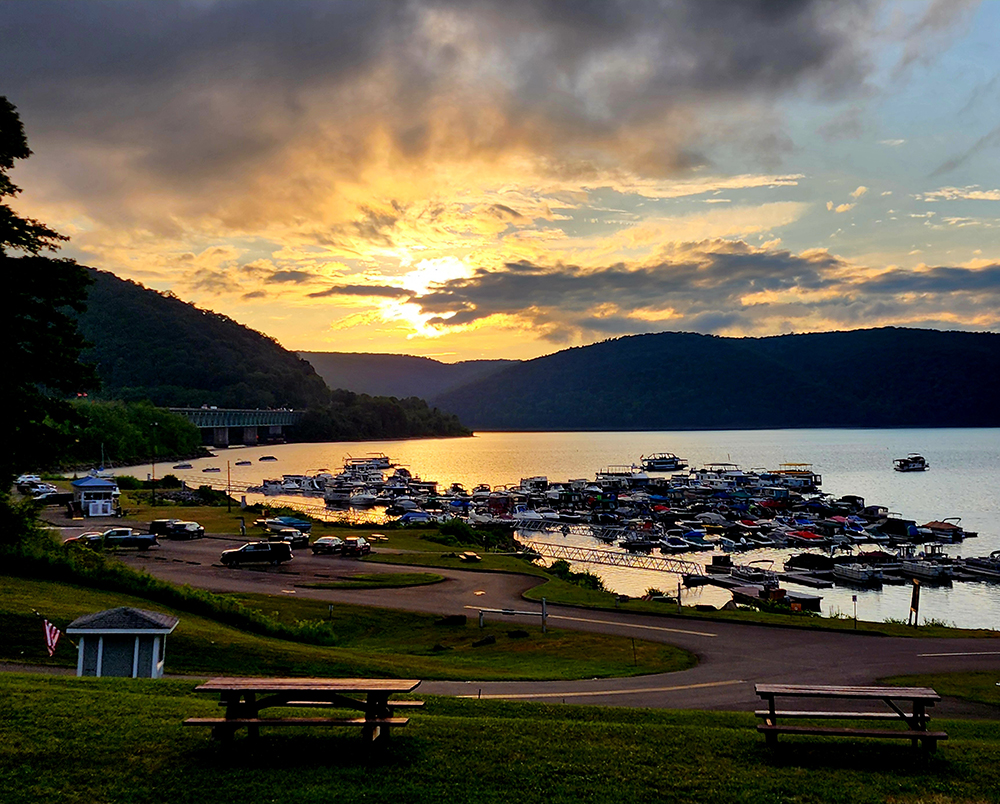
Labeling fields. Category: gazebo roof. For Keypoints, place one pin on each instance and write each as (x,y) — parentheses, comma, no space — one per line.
(94,483)
(124,620)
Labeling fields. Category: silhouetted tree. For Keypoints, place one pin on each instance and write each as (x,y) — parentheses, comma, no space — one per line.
(43,367)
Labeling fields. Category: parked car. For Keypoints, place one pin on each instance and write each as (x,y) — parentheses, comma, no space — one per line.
(92,540)
(295,537)
(160,526)
(356,546)
(115,537)
(257,553)
(329,545)
(181,529)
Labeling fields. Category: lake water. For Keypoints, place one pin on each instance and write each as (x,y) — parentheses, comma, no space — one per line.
(963,481)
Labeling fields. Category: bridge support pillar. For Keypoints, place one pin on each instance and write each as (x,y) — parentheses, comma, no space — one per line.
(249,435)
(220,436)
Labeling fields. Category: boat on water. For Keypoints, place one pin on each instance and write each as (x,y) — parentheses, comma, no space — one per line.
(267,458)
(858,574)
(662,462)
(182,466)
(244,463)
(911,463)
(211,469)
(984,566)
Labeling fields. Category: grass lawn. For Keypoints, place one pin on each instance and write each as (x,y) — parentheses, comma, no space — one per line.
(70,740)
(357,641)
(978,687)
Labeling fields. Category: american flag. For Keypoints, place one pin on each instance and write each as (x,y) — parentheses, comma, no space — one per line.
(52,635)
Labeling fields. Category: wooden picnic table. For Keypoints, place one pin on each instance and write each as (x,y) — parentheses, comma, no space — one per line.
(244,698)
(906,704)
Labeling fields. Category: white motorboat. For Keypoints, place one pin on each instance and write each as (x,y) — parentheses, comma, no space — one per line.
(858,574)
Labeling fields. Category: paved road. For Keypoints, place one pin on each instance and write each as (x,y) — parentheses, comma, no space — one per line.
(731,657)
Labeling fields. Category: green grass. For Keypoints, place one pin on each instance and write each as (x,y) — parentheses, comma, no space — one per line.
(979,687)
(359,641)
(96,741)
(377,580)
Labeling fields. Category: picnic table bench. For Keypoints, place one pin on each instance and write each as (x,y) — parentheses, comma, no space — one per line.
(244,698)
(906,704)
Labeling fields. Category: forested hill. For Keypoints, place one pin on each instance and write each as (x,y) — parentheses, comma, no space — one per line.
(887,377)
(151,345)
(398,375)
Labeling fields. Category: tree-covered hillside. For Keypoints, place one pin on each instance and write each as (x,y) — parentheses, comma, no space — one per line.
(152,346)
(865,378)
(398,375)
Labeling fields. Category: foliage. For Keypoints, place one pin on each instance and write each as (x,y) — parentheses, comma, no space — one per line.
(398,375)
(349,416)
(888,377)
(560,568)
(153,346)
(42,365)
(150,345)
(129,433)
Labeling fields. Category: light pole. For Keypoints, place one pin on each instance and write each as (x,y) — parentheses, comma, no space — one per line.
(153,460)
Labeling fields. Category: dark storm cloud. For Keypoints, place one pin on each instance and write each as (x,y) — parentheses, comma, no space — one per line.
(942,279)
(202,87)
(290,276)
(711,287)
(709,276)
(380,291)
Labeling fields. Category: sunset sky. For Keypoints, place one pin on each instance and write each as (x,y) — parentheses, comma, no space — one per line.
(506,179)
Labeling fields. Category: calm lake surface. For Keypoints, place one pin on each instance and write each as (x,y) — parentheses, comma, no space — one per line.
(963,481)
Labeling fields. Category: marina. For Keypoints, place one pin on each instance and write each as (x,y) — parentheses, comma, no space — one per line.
(853,468)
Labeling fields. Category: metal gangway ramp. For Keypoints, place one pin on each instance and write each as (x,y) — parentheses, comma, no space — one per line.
(593,555)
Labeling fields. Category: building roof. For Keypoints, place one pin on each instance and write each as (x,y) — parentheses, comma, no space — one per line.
(94,483)
(124,620)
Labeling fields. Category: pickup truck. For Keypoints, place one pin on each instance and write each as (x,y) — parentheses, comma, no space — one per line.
(115,537)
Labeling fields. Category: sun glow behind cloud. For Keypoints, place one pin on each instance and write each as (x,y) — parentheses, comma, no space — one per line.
(494,178)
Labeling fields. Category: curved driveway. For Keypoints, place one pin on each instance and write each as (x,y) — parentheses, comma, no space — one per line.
(732,657)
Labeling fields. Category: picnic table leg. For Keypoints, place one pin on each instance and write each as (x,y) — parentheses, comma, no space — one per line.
(253,730)
(771,737)
(376,708)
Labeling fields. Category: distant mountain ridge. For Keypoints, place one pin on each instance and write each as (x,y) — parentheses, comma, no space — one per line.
(398,375)
(887,377)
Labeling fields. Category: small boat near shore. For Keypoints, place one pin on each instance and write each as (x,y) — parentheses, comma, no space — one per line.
(911,463)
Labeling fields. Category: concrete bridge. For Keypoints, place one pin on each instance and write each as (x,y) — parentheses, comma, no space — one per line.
(224,426)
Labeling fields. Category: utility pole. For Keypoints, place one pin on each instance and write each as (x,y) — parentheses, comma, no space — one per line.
(153,474)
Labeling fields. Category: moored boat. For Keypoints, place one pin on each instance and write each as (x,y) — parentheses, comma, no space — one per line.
(911,463)
(858,574)
(662,462)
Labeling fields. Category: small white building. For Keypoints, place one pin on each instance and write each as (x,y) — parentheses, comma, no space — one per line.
(95,496)
(123,642)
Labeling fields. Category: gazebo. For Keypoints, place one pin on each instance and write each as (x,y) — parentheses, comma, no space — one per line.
(122,642)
